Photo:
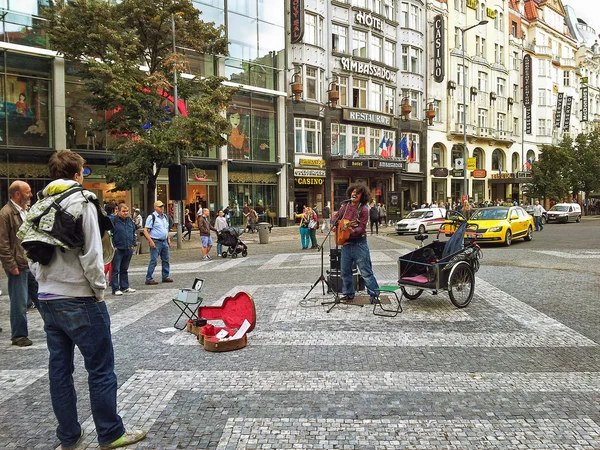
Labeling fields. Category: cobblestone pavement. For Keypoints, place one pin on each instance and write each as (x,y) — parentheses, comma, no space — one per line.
(516,369)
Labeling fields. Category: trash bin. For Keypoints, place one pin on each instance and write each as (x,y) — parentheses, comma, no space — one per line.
(142,243)
(263,233)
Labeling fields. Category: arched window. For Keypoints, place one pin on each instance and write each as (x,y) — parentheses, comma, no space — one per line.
(498,162)
(479,156)
(515,162)
(530,156)
(438,155)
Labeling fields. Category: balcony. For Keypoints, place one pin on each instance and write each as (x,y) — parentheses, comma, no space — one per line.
(568,62)
(484,132)
(483,98)
(543,50)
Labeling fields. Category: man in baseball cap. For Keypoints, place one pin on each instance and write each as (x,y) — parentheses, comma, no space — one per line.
(156,231)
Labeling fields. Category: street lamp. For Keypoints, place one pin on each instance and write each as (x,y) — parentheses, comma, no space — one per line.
(464,73)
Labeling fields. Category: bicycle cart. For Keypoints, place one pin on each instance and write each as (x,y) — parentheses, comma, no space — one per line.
(449,265)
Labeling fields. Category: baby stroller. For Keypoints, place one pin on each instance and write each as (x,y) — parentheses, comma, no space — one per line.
(230,237)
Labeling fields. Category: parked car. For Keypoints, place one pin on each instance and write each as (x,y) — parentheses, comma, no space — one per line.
(564,212)
(529,210)
(498,224)
(421,221)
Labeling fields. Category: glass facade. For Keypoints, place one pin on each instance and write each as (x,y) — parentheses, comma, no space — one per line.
(25,100)
(22,24)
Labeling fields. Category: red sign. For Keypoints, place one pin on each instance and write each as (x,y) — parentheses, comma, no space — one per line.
(480,173)
(296,20)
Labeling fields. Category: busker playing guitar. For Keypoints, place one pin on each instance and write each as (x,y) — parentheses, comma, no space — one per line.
(351,232)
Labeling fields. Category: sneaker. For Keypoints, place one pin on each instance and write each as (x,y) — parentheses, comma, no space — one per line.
(22,341)
(128,290)
(129,437)
(75,445)
(151,282)
(167,280)
(374,299)
(118,293)
(209,258)
(206,258)
(347,298)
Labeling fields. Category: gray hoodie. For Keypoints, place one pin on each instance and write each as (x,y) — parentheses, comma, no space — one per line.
(79,272)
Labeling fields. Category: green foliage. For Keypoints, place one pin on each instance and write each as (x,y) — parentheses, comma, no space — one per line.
(585,168)
(551,176)
(112,42)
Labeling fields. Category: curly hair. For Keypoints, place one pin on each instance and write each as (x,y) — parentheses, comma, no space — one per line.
(362,189)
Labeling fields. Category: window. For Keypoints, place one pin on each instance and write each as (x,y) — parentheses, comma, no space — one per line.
(374,140)
(459,75)
(541,127)
(500,21)
(359,93)
(415,18)
(516,129)
(414,104)
(343,87)
(359,3)
(313,29)
(482,81)
(459,5)
(437,107)
(376,48)
(515,61)
(376,6)
(457,38)
(542,68)
(515,92)
(311,83)
(359,43)
(544,97)
(389,96)
(404,15)
(481,11)
(358,134)
(339,38)
(498,54)
(388,9)
(389,56)
(415,60)
(480,46)
(501,87)
(460,116)
(376,96)
(338,139)
(500,123)
(405,57)
(482,118)
(308,136)
(567,78)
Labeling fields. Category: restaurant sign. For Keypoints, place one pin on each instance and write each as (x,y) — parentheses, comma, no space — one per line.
(357,115)
(309,173)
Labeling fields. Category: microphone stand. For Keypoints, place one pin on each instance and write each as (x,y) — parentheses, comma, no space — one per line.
(322,278)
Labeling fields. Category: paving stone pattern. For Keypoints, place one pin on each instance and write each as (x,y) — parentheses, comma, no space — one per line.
(513,370)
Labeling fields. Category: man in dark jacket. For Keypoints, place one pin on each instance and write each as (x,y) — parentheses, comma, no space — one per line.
(14,262)
(124,240)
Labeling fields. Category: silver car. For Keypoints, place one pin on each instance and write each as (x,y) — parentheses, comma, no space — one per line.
(421,221)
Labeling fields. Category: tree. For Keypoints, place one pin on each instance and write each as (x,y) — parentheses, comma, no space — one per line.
(585,167)
(125,55)
(551,172)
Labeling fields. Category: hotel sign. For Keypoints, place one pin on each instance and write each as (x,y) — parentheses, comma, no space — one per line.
(584,104)
(352,164)
(357,115)
(364,18)
(369,68)
(438,48)
(309,173)
(312,162)
(392,165)
(296,20)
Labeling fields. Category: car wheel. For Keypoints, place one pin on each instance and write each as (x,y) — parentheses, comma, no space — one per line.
(422,229)
(399,234)
(508,238)
(578,219)
(529,234)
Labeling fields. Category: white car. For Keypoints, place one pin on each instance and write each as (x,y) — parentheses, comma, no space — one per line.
(422,221)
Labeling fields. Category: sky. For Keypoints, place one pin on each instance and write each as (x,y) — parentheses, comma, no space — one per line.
(588,10)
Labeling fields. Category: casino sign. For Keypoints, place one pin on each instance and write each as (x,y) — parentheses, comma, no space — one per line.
(309,177)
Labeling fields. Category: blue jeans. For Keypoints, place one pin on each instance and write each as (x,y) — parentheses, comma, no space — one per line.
(85,323)
(537,220)
(304,237)
(32,290)
(219,248)
(162,249)
(120,266)
(17,293)
(357,253)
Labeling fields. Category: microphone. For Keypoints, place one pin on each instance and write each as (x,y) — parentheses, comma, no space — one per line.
(347,201)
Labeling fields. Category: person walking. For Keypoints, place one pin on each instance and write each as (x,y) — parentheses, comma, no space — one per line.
(14,262)
(204,226)
(313,224)
(326,218)
(538,211)
(124,241)
(383,215)
(75,314)
(374,217)
(188,225)
(355,251)
(156,231)
(220,225)
(304,233)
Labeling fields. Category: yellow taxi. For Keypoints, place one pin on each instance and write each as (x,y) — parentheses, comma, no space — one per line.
(498,224)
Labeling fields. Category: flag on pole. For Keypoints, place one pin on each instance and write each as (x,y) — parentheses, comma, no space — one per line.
(382,149)
(404,146)
(362,146)
(500,170)
(390,147)
(411,152)
(355,153)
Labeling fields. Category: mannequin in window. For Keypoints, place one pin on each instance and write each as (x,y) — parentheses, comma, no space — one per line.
(90,135)
(71,132)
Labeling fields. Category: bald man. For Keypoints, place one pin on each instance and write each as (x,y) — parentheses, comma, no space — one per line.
(14,261)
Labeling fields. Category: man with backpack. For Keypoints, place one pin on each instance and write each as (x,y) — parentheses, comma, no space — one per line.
(156,231)
(71,297)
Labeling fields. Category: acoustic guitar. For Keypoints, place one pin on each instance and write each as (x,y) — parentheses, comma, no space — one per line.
(341,233)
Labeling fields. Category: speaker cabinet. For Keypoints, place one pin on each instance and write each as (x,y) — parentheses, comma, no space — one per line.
(178,177)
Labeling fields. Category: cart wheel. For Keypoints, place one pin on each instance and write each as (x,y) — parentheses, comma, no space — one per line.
(224,254)
(410,292)
(244,253)
(461,284)
(234,255)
